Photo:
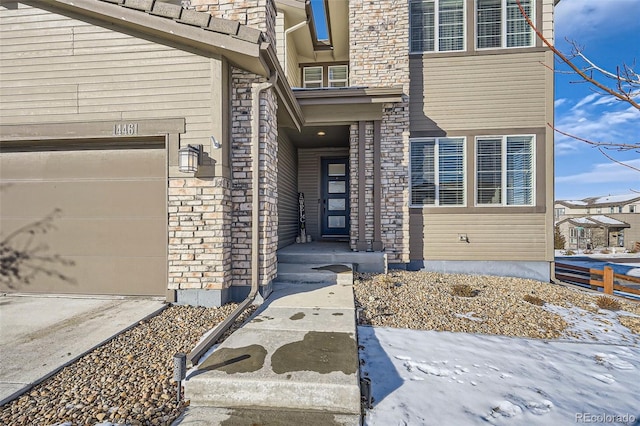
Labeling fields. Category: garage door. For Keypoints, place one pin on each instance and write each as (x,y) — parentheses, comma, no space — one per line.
(91,221)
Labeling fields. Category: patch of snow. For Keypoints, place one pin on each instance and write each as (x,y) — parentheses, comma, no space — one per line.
(606,219)
(613,199)
(602,327)
(515,380)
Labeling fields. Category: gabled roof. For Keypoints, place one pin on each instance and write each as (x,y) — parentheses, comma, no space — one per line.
(604,201)
(597,221)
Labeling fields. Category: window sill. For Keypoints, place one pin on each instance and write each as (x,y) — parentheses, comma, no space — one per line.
(483,52)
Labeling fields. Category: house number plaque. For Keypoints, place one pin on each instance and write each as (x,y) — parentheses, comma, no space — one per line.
(125,129)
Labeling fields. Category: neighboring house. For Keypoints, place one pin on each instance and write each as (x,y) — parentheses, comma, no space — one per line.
(608,221)
(418,128)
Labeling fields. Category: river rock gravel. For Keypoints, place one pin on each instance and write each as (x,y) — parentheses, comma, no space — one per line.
(128,380)
(426,301)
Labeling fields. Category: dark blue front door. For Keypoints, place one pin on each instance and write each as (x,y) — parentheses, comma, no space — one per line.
(335,197)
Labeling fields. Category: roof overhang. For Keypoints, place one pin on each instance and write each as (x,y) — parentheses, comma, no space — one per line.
(335,106)
(171,25)
(593,222)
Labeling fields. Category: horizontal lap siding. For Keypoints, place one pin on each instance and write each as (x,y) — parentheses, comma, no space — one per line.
(287,191)
(517,237)
(57,69)
(478,92)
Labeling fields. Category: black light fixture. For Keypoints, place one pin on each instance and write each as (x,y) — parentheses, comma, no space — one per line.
(189,158)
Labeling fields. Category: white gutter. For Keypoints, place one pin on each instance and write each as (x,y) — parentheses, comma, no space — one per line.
(286,35)
(204,346)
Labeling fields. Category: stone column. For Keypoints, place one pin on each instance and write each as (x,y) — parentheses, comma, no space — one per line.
(379,57)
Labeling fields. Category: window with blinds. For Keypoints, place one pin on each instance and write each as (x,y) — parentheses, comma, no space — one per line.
(338,75)
(436,25)
(437,172)
(500,24)
(505,170)
(312,77)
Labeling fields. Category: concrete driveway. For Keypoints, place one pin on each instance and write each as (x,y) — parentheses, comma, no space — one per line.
(40,334)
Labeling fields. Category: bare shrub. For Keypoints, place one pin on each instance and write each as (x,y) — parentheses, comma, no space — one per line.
(534,300)
(464,290)
(609,303)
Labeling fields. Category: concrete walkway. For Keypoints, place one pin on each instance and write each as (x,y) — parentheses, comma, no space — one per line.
(296,359)
(40,334)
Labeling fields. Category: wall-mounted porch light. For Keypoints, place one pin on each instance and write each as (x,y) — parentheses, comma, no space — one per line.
(189,158)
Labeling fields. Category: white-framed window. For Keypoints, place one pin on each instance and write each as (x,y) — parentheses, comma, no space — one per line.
(499,24)
(505,170)
(338,75)
(437,172)
(312,77)
(632,208)
(559,212)
(436,25)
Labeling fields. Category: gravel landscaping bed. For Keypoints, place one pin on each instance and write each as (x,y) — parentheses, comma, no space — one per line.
(129,380)
(426,301)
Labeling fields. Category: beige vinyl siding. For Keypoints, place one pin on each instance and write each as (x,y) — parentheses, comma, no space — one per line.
(309,164)
(280,23)
(632,234)
(292,70)
(478,92)
(547,19)
(287,191)
(293,64)
(517,237)
(57,69)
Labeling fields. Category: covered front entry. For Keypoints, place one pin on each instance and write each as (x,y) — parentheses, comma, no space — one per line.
(335,197)
(91,216)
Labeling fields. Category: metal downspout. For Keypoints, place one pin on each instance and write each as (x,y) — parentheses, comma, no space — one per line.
(217,332)
(286,34)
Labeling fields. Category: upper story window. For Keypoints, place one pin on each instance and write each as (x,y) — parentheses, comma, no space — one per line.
(632,208)
(325,76)
(312,77)
(436,25)
(437,172)
(500,24)
(338,76)
(505,170)
(559,212)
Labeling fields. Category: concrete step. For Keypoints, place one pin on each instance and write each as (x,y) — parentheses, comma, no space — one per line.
(374,262)
(315,273)
(211,416)
(298,352)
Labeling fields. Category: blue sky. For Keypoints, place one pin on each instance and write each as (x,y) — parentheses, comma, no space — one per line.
(609,31)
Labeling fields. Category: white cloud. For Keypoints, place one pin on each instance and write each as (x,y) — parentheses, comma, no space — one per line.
(559,102)
(588,18)
(605,173)
(596,119)
(586,100)
(607,101)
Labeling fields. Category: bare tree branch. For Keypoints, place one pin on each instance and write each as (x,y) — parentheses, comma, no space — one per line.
(622,95)
(606,145)
(618,161)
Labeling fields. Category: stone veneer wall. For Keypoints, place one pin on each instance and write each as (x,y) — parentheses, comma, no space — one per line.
(210,218)
(260,14)
(379,57)
(242,191)
(354,186)
(199,233)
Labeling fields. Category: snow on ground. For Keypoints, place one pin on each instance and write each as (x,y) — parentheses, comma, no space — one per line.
(441,378)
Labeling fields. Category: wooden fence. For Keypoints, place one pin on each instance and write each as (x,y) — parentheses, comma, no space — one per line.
(605,279)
